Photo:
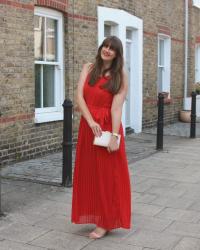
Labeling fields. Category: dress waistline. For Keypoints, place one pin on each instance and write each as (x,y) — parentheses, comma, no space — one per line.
(98,107)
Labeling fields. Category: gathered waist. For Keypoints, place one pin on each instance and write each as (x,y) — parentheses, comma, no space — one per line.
(98,107)
(100,114)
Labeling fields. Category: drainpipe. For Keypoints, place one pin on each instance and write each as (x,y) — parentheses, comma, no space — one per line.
(186,56)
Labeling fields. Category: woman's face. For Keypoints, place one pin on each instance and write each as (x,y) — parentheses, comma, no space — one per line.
(107,54)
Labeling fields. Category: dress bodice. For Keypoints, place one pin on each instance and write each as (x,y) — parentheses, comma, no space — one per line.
(98,100)
(96,95)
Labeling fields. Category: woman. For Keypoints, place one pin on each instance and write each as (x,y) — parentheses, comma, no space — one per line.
(101,183)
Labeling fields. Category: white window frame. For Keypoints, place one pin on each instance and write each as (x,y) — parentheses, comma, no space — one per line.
(196,3)
(49,114)
(167,62)
(197,63)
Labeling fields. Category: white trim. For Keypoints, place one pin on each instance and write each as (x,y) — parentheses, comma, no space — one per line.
(198,106)
(125,20)
(196,3)
(46,12)
(167,61)
(48,117)
(47,62)
(188,101)
(53,113)
(197,63)
(186,55)
(41,89)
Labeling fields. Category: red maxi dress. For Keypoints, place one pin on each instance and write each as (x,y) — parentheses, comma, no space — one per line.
(101,183)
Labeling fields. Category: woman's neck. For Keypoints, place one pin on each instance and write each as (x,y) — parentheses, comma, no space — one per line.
(106,65)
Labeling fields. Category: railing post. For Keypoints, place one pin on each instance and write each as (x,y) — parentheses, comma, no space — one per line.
(67,144)
(193,116)
(159,143)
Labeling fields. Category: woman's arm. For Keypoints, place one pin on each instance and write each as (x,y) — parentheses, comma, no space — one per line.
(82,106)
(117,104)
(116,111)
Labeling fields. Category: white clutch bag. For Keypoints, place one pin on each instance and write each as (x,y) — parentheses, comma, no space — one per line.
(104,139)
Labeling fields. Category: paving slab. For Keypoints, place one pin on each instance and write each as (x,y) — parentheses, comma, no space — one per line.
(97,245)
(61,241)
(151,239)
(141,197)
(146,209)
(173,202)
(12,245)
(21,233)
(188,244)
(150,222)
(27,218)
(184,229)
(195,206)
(168,191)
(62,223)
(179,215)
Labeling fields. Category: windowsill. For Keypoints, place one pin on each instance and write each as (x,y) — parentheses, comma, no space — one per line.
(196,3)
(168,101)
(196,6)
(48,117)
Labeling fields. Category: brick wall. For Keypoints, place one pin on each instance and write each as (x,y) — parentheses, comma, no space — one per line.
(54,4)
(20,137)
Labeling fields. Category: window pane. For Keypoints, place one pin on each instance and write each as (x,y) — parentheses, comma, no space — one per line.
(197,64)
(128,34)
(38,86)
(39,37)
(107,30)
(51,39)
(48,85)
(161,52)
(160,79)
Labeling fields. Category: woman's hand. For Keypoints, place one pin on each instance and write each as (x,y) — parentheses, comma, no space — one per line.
(113,145)
(96,129)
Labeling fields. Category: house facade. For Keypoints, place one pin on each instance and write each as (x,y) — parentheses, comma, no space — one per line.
(44,44)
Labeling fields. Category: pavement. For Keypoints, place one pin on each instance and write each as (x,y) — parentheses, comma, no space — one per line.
(165,202)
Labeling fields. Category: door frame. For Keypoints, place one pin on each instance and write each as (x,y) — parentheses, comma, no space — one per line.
(125,20)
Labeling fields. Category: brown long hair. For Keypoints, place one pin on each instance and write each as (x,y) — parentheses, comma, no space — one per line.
(115,80)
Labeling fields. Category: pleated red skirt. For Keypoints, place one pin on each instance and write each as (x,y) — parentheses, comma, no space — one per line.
(101,183)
